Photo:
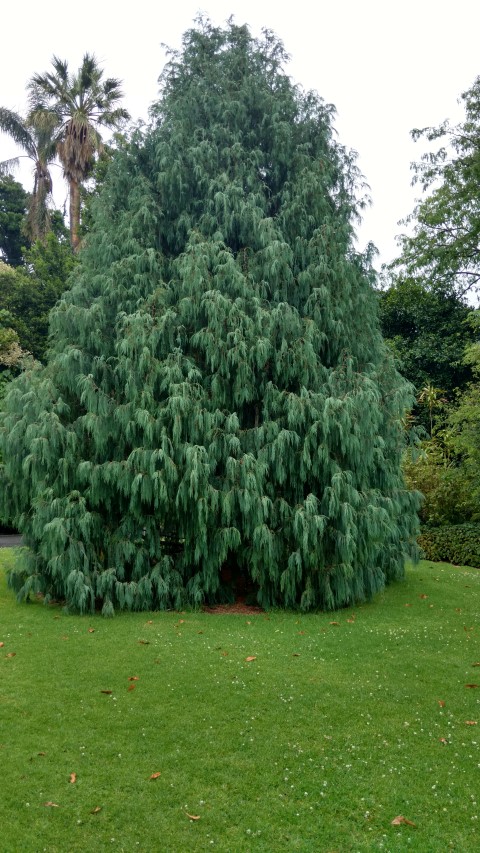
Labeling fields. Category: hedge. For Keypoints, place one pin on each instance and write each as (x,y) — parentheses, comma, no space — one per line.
(454,543)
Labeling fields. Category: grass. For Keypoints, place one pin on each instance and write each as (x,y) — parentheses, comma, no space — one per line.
(342,722)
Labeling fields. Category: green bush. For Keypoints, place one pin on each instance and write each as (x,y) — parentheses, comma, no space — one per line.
(455,543)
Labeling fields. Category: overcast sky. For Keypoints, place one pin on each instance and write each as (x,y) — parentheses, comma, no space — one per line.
(387,68)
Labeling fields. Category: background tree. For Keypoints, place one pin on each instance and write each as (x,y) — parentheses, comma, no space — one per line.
(428,331)
(444,250)
(78,105)
(13,210)
(39,146)
(218,394)
(30,292)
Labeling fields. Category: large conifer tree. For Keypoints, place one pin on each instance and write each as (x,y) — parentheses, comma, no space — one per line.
(218,391)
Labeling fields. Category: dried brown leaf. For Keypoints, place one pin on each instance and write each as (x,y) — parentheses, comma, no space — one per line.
(133,678)
(91,630)
(41,753)
(144,642)
(470,722)
(250,658)
(155,775)
(423,595)
(472,685)
(55,805)
(477,663)
(443,740)
(2,645)
(193,816)
(96,810)
(397,821)
(108,692)
(11,655)
(441,703)
(73,778)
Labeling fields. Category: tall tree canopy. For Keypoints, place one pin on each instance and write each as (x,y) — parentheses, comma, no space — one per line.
(218,393)
(78,105)
(444,250)
(39,146)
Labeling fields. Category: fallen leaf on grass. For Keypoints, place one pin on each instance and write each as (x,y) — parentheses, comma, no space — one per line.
(443,740)
(55,805)
(423,595)
(199,632)
(295,655)
(470,722)
(133,677)
(250,658)
(144,642)
(73,778)
(224,654)
(334,623)
(408,605)
(11,655)
(193,816)
(2,645)
(397,821)
(41,753)
(96,810)
(149,622)
(91,630)
(351,621)
(476,664)
(441,703)
(131,687)
(155,775)
(471,685)
(108,692)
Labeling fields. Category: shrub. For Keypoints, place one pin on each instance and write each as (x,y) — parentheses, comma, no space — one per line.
(454,543)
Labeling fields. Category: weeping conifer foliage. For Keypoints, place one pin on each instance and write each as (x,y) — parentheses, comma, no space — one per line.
(218,394)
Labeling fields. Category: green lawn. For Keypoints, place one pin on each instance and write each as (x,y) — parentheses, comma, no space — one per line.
(341,722)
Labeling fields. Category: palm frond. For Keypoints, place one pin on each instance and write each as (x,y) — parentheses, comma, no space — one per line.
(9,166)
(12,124)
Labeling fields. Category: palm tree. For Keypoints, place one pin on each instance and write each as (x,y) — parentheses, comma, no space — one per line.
(78,104)
(40,147)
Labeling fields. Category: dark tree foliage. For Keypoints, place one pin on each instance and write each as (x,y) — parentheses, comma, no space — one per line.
(219,393)
(29,292)
(13,209)
(428,332)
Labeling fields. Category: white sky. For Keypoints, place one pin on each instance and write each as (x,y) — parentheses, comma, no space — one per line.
(387,67)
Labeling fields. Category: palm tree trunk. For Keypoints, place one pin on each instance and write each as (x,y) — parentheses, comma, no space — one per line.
(74,214)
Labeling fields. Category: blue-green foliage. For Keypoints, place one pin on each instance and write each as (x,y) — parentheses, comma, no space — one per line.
(218,390)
